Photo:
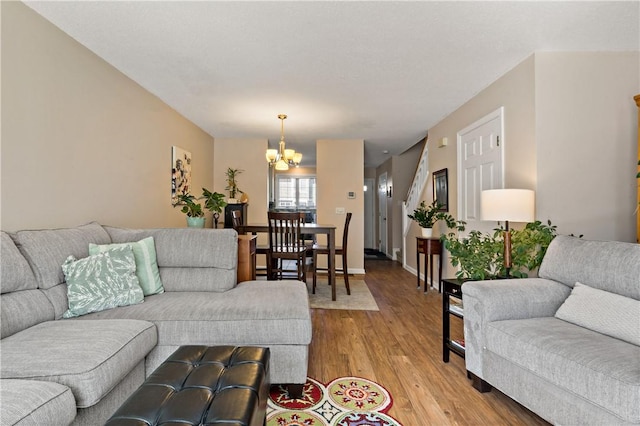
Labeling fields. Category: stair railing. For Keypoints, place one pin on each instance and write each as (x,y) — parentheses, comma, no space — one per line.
(420,179)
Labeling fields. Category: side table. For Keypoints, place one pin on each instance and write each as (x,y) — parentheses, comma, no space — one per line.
(246,258)
(452,289)
(429,247)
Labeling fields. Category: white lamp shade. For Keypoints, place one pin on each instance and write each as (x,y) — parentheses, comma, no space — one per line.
(282,165)
(514,205)
(288,154)
(297,158)
(271,155)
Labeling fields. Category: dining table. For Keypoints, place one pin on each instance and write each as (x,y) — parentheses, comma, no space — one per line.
(306,228)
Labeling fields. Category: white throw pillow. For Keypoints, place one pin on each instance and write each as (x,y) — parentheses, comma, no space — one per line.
(607,313)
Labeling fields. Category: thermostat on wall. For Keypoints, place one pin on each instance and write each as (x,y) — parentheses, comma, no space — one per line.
(351,194)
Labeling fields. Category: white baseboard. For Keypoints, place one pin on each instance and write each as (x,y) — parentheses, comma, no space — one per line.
(395,252)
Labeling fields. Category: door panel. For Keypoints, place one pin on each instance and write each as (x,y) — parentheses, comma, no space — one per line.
(480,166)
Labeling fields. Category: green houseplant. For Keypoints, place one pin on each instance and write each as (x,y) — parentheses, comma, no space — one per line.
(480,256)
(193,209)
(191,206)
(426,216)
(232,185)
(214,202)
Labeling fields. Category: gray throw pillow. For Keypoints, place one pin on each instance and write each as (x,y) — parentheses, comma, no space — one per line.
(607,313)
(102,281)
(147,270)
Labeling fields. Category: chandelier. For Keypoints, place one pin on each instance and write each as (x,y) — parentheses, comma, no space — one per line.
(282,158)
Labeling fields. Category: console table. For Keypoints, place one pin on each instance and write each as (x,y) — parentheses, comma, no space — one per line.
(429,247)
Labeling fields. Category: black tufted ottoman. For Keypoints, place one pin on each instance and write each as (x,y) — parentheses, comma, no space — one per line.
(202,385)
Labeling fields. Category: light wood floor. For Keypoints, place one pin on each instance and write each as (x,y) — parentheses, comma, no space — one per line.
(400,347)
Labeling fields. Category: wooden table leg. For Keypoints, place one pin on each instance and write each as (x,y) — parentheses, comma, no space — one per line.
(331,242)
(418,266)
(430,270)
(440,273)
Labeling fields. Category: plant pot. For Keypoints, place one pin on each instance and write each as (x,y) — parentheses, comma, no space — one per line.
(232,201)
(195,222)
(427,232)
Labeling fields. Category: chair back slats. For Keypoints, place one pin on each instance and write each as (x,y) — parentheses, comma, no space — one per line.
(285,243)
(284,232)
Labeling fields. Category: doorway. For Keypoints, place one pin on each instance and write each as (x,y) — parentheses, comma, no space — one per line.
(369,213)
(382,213)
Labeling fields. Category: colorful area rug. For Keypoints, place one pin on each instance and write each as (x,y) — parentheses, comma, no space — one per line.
(345,401)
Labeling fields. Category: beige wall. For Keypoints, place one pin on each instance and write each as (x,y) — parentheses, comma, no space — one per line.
(80,140)
(336,175)
(514,91)
(587,142)
(248,156)
(569,134)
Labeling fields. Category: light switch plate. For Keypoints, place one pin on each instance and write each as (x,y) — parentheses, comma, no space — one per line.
(340,210)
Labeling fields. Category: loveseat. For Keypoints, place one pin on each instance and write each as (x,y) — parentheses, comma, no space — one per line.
(566,345)
(79,370)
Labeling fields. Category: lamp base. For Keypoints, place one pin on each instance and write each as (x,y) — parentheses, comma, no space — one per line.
(507,249)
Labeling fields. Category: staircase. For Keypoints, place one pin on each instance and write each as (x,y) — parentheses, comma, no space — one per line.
(413,196)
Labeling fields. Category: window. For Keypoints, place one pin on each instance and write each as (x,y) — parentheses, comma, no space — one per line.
(296,192)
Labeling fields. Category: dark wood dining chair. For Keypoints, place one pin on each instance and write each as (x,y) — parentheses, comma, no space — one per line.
(340,251)
(286,244)
(236,219)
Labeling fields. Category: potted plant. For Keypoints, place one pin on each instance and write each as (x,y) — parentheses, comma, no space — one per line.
(192,208)
(427,216)
(480,256)
(214,202)
(232,185)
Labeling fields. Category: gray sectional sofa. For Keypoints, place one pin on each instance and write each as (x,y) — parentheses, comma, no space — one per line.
(59,371)
(569,352)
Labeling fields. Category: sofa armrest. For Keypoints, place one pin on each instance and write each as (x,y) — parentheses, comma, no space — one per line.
(496,300)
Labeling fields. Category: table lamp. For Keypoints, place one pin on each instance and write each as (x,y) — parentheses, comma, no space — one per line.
(515,205)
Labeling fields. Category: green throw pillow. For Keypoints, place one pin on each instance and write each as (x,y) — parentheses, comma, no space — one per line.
(102,281)
(147,271)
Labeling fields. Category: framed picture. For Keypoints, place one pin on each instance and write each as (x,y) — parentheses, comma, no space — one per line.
(180,172)
(441,189)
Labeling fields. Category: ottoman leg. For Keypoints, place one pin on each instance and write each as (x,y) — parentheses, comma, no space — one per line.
(295,390)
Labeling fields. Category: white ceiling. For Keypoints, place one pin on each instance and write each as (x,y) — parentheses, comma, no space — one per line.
(381,71)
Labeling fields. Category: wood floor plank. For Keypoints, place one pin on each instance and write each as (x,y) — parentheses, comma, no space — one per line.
(400,347)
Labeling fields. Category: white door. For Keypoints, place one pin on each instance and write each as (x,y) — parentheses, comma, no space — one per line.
(480,166)
(382,213)
(369,213)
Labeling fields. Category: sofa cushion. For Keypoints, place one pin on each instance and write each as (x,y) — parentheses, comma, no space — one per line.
(253,313)
(598,368)
(23,309)
(33,402)
(147,271)
(102,281)
(15,273)
(190,259)
(606,265)
(90,357)
(47,249)
(607,313)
